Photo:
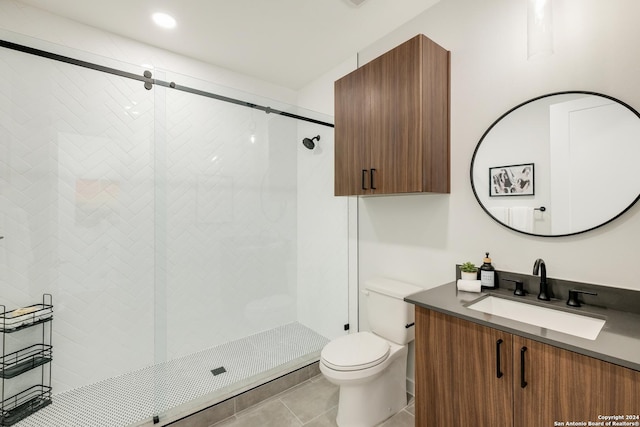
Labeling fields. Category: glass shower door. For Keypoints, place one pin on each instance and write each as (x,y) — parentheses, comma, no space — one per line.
(77,210)
(255,244)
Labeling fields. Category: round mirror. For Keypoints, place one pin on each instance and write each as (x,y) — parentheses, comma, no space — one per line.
(559,164)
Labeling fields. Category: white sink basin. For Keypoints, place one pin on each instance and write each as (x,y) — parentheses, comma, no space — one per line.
(561,321)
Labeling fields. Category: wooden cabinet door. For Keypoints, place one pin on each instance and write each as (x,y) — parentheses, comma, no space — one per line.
(396,118)
(352,155)
(457,381)
(565,386)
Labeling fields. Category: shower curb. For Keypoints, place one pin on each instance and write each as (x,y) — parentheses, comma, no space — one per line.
(227,408)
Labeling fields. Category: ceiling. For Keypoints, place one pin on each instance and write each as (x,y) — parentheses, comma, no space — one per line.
(286,42)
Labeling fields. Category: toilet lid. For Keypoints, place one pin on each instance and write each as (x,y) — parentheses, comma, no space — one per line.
(354,352)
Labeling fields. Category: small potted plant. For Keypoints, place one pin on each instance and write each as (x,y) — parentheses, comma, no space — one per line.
(468,271)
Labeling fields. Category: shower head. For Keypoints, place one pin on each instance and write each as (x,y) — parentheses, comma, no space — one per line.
(309,142)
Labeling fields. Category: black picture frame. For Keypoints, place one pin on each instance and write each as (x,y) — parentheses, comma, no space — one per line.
(512,180)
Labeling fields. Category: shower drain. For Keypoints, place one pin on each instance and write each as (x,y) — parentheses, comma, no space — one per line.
(218,371)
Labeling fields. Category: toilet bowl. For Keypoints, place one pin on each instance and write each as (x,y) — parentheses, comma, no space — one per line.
(372,386)
(371,367)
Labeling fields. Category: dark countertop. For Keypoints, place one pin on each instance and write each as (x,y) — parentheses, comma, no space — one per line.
(618,341)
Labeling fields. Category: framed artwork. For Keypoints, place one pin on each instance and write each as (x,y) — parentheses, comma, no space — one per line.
(512,180)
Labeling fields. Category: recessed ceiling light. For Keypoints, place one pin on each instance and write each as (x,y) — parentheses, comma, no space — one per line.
(163,20)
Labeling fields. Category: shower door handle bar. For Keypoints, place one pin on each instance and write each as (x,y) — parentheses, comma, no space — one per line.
(364,179)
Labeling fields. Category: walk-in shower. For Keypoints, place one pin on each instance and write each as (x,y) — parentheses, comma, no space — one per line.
(167,225)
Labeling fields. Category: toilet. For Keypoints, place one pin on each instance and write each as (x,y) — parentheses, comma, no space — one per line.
(371,367)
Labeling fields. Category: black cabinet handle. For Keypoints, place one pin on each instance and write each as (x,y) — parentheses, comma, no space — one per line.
(373,186)
(364,179)
(498,371)
(523,383)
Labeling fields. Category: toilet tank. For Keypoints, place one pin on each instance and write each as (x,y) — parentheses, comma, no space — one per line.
(388,313)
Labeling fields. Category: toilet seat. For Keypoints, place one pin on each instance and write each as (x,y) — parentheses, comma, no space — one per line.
(355,352)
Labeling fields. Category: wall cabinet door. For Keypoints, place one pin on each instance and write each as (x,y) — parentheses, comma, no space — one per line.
(564,386)
(396,151)
(463,372)
(392,123)
(352,102)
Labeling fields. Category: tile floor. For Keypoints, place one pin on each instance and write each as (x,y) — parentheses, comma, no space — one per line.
(312,403)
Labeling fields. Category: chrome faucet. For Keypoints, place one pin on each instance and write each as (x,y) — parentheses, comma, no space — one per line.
(539,265)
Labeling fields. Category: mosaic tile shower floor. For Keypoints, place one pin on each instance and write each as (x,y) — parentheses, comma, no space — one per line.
(135,396)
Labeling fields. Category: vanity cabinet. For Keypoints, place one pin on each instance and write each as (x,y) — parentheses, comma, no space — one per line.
(469,373)
(392,123)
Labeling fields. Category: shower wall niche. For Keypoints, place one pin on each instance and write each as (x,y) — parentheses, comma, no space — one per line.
(166,225)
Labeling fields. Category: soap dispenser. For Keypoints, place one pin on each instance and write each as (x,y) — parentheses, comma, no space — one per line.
(487,273)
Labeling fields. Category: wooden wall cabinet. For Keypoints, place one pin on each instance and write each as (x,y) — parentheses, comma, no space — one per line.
(392,123)
(458,381)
